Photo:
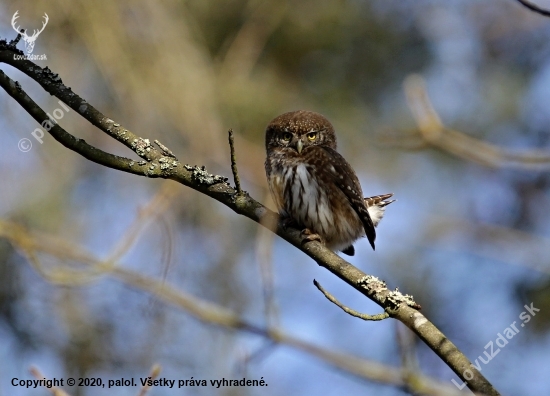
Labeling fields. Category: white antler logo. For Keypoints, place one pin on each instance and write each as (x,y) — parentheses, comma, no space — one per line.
(29,40)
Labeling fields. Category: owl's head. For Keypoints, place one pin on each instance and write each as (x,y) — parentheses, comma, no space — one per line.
(299,130)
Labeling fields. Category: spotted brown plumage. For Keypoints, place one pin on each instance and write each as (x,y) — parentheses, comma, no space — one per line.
(314,186)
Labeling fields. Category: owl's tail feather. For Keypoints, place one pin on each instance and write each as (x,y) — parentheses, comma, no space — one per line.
(376,206)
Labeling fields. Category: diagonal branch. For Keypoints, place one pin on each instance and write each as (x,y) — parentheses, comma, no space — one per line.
(534,8)
(155,164)
(153,374)
(435,133)
(54,390)
(62,136)
(33,243)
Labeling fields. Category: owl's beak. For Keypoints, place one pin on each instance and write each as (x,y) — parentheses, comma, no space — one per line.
(299,146)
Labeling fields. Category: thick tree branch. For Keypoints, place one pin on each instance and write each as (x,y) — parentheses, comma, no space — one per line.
(158,165)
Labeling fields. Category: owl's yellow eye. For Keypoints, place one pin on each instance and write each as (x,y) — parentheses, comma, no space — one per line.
(312,136)
(286,137)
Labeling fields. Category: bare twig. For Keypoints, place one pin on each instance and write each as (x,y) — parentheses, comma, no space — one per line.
(249,42)
(234,163)
(534,8)
(409,363)
(154,373)
(498,241)
(260,353)
(264,245)
(55,391)
(457,143)
(352,312)
(152,210)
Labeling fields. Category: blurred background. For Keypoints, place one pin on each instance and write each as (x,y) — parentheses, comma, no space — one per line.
(469,238)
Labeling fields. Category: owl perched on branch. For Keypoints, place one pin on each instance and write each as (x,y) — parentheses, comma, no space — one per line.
(314,187)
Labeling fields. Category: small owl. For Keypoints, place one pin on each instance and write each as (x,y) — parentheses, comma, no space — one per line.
(314,187)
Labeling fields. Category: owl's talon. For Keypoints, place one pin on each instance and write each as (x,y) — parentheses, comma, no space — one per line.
(308,236)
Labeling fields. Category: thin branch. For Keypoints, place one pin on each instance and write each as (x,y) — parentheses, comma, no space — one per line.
(234,163)
(55,391)
(154,373)
(155,164)
(249,42)
(409,363)
(262,352)
(498,242)
(352,312)
(264,251)
(150,211)
(535,8)
(457,143)
(211,313)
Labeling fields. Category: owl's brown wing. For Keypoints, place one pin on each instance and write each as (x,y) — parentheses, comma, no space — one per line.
(344,177)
